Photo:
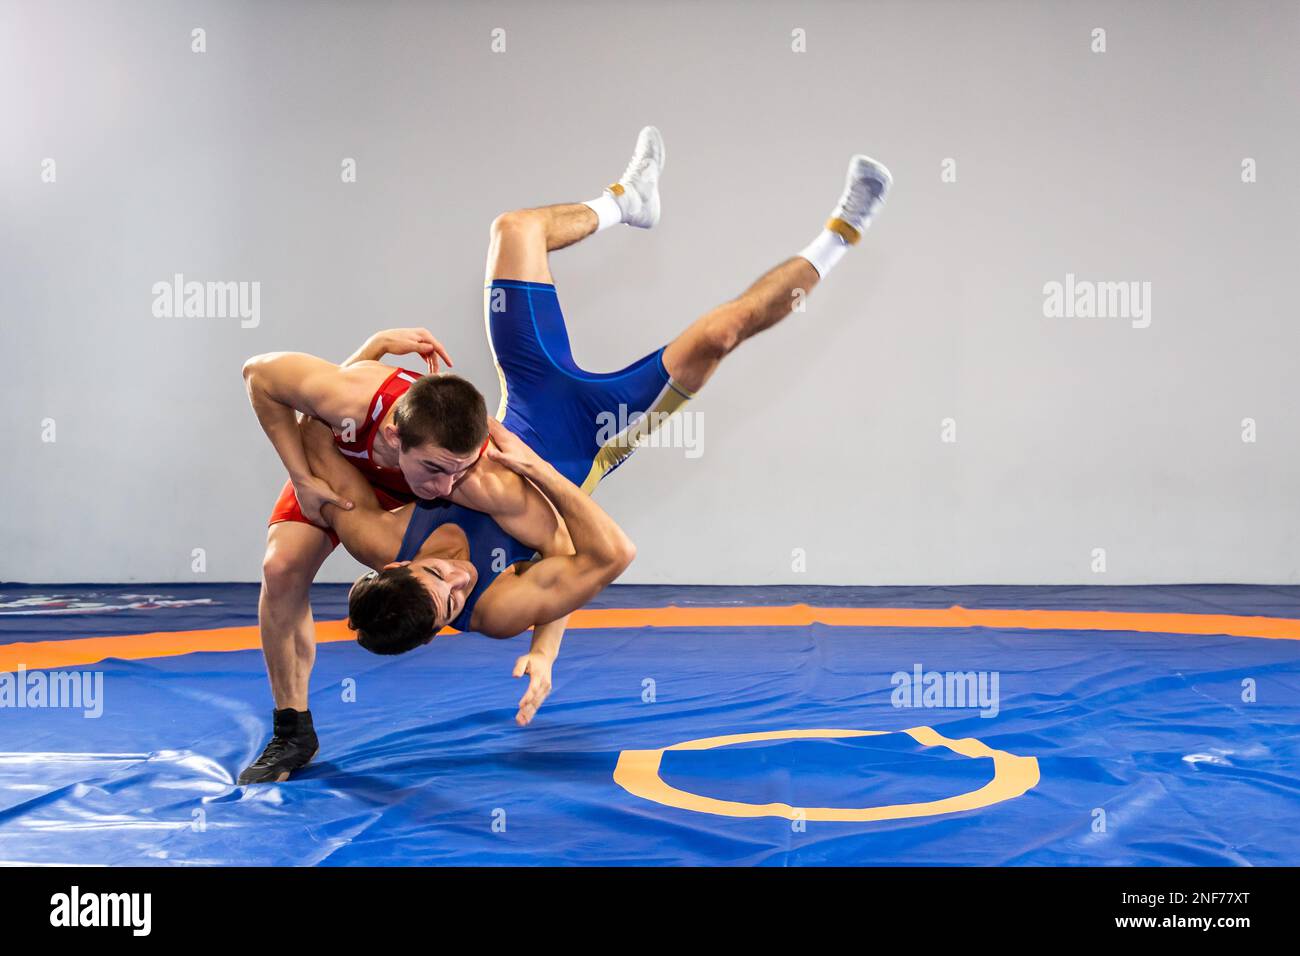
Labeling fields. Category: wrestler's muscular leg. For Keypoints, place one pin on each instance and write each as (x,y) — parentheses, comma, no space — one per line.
(692,357)
(294,553)
(520,241)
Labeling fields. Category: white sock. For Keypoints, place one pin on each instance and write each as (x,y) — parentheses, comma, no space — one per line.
(824,251)
(606,209)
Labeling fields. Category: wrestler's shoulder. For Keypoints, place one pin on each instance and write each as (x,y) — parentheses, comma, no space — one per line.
(490,485)
(358,382)
(369,369)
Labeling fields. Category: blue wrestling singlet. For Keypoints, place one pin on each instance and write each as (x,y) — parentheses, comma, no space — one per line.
(584,424)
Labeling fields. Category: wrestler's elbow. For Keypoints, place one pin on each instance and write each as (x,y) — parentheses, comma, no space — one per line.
(624,548)
(626,554)
(250,374)
(260,374)
(255,366)
(271,371)
(621,554)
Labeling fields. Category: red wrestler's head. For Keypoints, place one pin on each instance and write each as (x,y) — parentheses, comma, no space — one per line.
(438,429)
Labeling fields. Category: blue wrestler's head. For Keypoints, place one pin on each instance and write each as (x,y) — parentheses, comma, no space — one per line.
(403,606)
(439,430)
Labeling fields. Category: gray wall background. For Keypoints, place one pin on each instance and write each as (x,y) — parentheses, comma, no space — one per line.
(824,434)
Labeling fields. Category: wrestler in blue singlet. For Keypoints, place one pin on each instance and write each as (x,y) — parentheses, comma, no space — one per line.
(564,413)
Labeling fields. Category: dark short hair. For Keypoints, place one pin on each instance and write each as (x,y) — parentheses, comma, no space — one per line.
(391,612)
(445,410)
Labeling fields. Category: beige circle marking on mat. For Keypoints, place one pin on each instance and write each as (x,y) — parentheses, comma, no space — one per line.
(637,772)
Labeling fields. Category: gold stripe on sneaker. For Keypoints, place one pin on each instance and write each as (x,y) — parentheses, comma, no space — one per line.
(616,189)
(843,230)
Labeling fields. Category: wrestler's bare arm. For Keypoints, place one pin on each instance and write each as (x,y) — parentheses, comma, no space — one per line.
(516,505)
(541,591)
(371,535)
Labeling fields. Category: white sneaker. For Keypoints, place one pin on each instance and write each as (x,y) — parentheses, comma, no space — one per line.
(864,192)
(637,190)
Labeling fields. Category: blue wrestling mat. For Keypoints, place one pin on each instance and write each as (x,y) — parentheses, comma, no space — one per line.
(1086,732)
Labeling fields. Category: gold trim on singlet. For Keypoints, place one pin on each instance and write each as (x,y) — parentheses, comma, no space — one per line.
(672,398)
(501,374)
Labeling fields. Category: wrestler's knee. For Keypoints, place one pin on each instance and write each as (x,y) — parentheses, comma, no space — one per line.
(287,570)
(517,225)
(720,336)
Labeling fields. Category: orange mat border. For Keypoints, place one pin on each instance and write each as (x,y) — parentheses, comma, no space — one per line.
(90,650)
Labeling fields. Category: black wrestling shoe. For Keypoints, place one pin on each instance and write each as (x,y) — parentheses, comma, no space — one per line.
(290,749)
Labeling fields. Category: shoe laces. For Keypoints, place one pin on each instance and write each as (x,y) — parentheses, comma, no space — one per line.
(274,751)
(636,166)
(862,194)
(865,191)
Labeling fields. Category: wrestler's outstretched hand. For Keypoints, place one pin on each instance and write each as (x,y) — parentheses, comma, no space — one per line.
(538,668)
(407,341)
(509,450)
